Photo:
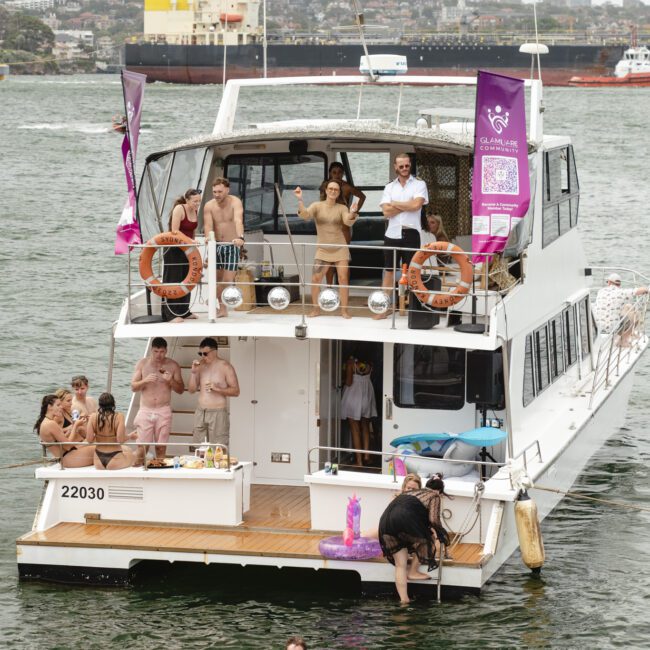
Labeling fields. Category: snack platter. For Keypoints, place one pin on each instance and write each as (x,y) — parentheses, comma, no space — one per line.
(190,462)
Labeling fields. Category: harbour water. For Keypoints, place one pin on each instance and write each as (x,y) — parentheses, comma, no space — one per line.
(62,192)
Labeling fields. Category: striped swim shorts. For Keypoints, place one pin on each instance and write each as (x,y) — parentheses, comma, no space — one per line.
(227,257)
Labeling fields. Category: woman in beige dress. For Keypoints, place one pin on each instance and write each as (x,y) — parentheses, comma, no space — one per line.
(330,215)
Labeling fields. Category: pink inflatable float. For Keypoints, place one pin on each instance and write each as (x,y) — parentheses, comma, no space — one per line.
(350,545)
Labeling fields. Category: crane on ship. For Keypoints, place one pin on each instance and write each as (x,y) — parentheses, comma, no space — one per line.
(465,18)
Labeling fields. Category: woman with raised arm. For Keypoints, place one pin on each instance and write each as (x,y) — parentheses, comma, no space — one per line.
(107,426)
(330,215)
(49,430)
(184,219)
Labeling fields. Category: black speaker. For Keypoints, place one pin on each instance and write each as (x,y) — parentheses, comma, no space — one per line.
(298,146)
(484,378)
(422,318)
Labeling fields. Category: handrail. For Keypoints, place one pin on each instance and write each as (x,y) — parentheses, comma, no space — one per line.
(137,443)
(397,454)
(522,453)
(302,269)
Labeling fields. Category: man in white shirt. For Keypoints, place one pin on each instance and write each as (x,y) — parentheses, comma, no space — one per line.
(614,308)
(401,204)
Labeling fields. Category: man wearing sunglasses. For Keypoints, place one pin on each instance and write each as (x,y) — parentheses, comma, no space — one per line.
(155,377)
(401,204)
(215,380)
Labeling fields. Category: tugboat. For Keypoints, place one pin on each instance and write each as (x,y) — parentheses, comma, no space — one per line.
(526,397)
(632,70)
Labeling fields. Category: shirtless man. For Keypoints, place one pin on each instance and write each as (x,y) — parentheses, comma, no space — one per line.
(155,377)
(224,215)
(81,401)
(215,380)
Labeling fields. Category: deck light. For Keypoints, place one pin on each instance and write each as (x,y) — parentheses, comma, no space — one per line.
(328,299)
(279,298)
(422,123)
(232,297)
(378,302)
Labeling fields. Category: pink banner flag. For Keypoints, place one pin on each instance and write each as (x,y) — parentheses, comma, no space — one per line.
(500,183)
(128,229)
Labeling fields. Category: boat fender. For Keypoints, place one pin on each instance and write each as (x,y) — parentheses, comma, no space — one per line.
(173,291)
(440,300)
(362,548)
(529,531)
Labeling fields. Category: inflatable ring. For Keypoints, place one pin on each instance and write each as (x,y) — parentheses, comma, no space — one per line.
(362,548)
(440,300)
(173,291)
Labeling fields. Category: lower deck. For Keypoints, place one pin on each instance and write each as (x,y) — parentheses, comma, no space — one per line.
(277,525)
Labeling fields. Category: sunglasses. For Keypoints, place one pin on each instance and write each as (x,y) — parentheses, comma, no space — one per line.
(403,166)
(205,354)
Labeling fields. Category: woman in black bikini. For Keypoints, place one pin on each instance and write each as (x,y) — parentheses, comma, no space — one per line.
(107,426)
(49,430)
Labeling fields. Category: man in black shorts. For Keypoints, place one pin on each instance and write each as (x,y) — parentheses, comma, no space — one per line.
(401,204)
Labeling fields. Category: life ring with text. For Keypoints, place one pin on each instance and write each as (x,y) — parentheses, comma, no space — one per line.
(173,291)
(440,300)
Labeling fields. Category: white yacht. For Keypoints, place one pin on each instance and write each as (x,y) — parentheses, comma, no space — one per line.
(532,366)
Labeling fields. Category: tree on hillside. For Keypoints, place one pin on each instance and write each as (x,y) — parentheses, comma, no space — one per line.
(21,32)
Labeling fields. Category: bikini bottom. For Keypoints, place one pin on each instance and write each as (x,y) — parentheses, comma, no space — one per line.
(105,457)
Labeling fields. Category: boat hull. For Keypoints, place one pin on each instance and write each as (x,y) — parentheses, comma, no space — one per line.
(631,80)
(203,64)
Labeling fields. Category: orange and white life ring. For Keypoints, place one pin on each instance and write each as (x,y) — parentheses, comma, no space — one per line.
(440,300)
(172,291)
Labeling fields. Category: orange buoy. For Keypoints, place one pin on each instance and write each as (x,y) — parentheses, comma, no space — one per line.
(231,18)
(440,301)
(173,291)
(529,532)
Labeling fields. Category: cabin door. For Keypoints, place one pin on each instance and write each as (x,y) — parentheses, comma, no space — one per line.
(271,415)
(329,389)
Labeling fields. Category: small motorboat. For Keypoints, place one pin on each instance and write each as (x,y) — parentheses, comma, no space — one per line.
(118,123)
(632,70)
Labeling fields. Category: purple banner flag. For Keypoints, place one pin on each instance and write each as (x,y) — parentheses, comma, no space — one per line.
(500,183)
(128,229)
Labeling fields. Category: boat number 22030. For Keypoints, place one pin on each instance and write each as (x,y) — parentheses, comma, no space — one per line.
(81,492)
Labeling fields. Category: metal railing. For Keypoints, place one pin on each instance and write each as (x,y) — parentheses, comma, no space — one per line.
(617,346)
(295,259)
(396,454)
(53,459)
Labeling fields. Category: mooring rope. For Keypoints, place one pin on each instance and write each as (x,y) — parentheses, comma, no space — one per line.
(577,495)
(25,464)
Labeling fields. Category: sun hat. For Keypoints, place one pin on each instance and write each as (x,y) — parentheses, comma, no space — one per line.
(614,277)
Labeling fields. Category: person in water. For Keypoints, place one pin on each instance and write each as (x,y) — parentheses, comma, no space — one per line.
(406,527)
(50,431)
(330,215)
(184,219)
(107,427)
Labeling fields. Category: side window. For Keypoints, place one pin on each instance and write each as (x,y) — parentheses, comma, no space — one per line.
(252,179)
(584,327)
(556,348)
(541,357)
(428,377)
(561,194)
(529,377)
(570,343)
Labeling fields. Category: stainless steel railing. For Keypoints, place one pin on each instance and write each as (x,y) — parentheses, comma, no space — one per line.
(297,261)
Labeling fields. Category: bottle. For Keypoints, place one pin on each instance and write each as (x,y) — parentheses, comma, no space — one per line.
(266,269)
(177,462)
(403,283)
(281,273)
(209,458)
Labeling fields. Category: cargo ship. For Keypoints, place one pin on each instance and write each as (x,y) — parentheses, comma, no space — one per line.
(189,44)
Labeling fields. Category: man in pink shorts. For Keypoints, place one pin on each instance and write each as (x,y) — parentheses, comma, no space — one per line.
(155,377)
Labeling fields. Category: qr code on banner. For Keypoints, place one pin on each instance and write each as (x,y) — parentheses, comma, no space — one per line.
(500,175)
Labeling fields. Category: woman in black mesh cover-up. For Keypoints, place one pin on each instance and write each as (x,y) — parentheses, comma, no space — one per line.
(406,528)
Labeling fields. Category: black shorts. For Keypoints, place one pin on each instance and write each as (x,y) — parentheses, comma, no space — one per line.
(410,239)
